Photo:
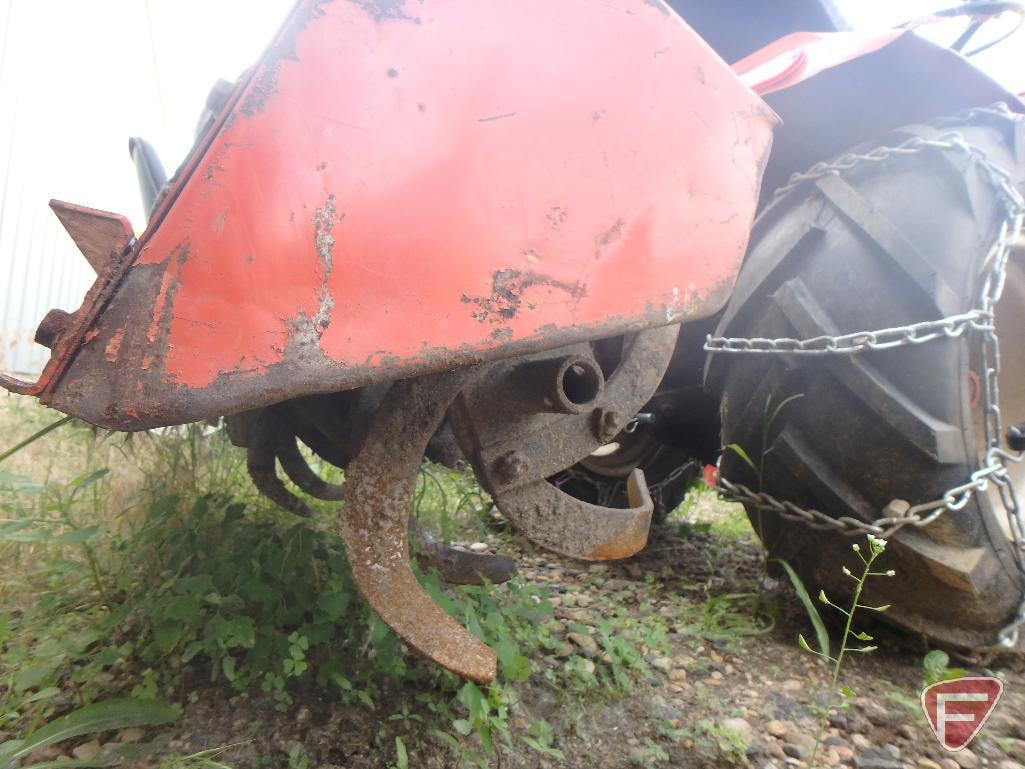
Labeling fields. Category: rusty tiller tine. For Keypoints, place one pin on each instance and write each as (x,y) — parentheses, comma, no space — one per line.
(458,566)
(260,461)
(556,521)
(455,566)
(375,524)
(302,475)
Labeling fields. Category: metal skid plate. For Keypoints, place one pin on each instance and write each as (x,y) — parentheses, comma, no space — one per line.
(516,443)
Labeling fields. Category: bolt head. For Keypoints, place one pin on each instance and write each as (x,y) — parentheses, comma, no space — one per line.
(511,466)
(51,327)
(609,424)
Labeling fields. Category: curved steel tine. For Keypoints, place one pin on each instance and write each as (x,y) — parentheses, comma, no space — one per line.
(554,520)
(302,475)
(260,461)
(375,524)
(458,566)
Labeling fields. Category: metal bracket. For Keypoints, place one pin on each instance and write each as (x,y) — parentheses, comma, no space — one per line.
(514,425)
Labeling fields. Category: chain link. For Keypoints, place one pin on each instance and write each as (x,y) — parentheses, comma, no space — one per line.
(860,341)
(994,470)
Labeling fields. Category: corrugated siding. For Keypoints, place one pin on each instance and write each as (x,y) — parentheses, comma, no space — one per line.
(40,267)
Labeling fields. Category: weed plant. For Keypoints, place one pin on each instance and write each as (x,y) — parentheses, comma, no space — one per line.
(876,547)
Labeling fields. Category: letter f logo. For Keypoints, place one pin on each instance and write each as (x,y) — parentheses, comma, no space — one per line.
(957,709)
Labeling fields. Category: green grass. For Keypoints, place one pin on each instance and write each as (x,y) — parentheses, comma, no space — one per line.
(148,566)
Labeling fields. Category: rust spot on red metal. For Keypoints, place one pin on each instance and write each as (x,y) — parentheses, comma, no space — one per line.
(114,345)
(260,90)
(323,222)
(507,289)
(556,216)
(163,307)
(305,331)
(382,10)
(215,167)
(615,232)
(265,84)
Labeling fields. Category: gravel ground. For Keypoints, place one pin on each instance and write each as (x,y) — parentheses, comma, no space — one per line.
(733,698)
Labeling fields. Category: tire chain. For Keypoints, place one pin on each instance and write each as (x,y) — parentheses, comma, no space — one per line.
(993,274)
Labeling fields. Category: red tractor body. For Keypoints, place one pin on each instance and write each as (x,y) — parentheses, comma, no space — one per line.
(395,191)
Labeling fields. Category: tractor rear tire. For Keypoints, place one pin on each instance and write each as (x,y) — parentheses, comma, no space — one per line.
(883,244)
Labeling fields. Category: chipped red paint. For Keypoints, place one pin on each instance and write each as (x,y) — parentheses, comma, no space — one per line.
(430,184)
